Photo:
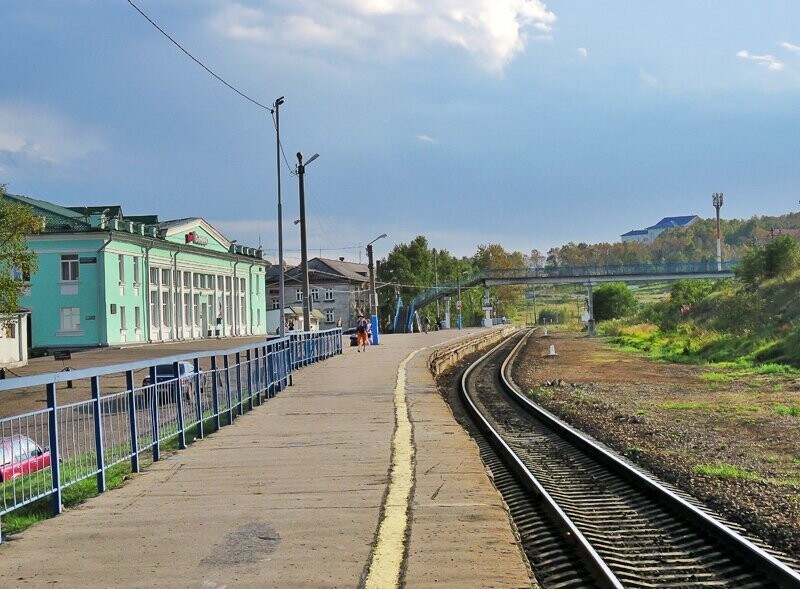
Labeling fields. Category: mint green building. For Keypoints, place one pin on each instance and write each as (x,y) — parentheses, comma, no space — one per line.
(105,278)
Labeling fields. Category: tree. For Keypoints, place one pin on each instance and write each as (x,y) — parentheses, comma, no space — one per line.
(16,259)
(778,259)
(612,300)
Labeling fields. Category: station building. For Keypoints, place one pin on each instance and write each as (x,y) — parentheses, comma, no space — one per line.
(104,278)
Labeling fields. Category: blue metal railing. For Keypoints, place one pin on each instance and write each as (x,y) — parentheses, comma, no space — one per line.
(116,420)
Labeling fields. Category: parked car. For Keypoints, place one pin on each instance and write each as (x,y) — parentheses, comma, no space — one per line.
(19,455)
(165,373)
(353,337)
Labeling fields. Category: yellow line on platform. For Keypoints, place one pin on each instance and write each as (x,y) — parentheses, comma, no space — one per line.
(387,559)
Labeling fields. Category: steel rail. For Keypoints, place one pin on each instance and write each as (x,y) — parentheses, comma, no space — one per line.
(591,558)
(779,571)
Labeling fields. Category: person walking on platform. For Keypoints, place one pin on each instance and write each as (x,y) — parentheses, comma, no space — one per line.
(361,332)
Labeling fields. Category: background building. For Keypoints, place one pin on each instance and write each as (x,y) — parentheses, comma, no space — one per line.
(107,279)
(339,291)
(649,235)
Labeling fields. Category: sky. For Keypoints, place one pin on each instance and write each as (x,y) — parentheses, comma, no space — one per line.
(527,123)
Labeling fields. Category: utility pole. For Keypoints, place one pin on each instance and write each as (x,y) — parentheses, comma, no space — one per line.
(373,295)
(301,170)
(717,199)
(281,284)
(436,283)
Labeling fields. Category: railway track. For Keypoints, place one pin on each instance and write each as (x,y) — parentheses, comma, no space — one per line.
(588,518)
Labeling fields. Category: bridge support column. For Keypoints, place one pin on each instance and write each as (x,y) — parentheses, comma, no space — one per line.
(590,322)
(447,312)
(487,308)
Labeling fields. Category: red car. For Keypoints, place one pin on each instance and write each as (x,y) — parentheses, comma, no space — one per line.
(20,455)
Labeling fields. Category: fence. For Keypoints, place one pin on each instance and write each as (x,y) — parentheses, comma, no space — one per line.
(109,420)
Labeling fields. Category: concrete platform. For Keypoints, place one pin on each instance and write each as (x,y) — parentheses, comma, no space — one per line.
(293,495)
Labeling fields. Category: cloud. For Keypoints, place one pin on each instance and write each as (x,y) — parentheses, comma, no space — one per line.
(583,52)
(427,139)
(491,32)
(767,61)
(37,135)
(790,47)
(649,80)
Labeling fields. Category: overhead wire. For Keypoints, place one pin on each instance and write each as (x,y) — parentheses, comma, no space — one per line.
(197,61)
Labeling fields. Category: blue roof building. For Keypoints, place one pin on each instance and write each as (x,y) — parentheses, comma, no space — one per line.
(649,235)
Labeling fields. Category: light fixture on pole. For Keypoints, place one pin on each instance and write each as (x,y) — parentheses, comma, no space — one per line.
(436,283)
(281,283)
(373,296)
(301,170)
(717,199)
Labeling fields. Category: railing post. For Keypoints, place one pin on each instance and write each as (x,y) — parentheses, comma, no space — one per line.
(215,393)
(226,366)
(198,398)
(132,420)
(257,375)
(272,384)
(249,373)
(55,453)
(239,391)
(154,415)
(98,435)
(179,404)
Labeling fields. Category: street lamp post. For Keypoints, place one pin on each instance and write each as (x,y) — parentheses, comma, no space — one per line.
(436,284)
(301,170)
(373,296)
(716,200)
(281,283)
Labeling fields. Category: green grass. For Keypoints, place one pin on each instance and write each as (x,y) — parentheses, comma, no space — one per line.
(685,406)
(725,471)
(790,410)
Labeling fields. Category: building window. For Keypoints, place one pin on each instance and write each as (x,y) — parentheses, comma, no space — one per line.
(69,268)
(276,303)
(70,318)
(136,270)
(153,275)
(229,310)
(299,295)
(177,276)
(228,283)
(11,330)
(154,308)
(137,317)
(196,280)
(187,279)
(187,309)
(242,285)
(328,294)
(121,268)
(166,315)
(329,316)
(123,320)
(196,309)
(242,311)
(314,293)
(165,277)
(220,283)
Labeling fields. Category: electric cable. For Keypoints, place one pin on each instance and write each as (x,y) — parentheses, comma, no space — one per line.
(200,63)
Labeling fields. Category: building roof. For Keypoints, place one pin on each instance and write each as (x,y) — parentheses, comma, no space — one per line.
(635,232)
(670,222)
(324,270)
